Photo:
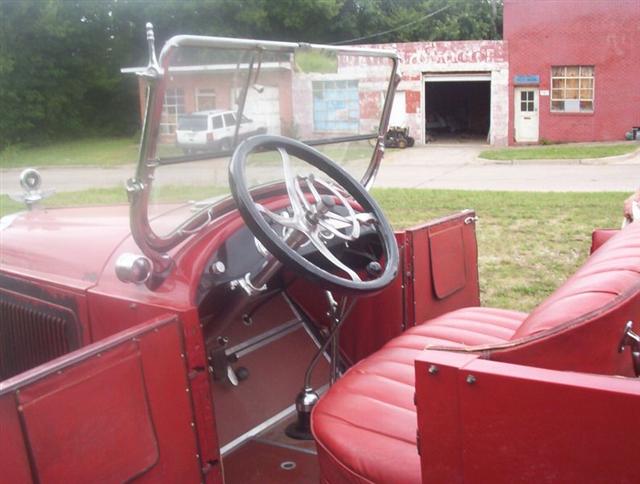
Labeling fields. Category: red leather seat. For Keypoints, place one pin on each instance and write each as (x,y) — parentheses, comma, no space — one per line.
(365,427)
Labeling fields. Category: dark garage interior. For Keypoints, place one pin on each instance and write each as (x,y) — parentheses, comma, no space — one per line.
(457,110)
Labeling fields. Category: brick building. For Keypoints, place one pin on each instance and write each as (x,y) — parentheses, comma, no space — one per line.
(453,89)
(567,70)
(574,69)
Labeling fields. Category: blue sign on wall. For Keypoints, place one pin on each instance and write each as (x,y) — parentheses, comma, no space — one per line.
(526,79)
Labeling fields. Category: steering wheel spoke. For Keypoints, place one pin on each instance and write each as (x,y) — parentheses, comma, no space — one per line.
(326,212)
(299,203)
(324,250)
(277,218)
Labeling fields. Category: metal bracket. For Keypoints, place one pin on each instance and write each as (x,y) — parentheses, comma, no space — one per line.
(153,72)
(221,363)
(632,340)
(246,285)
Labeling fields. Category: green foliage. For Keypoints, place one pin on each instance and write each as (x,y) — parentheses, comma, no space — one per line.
(313,61)
(103,152)
(60,60)
(560,152)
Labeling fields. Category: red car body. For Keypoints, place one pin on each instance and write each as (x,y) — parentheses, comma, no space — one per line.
(107,381)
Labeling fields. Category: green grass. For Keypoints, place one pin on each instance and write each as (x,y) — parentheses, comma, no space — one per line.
(96,152)
(122,151)
(528,243)
(565,152)
(316,62)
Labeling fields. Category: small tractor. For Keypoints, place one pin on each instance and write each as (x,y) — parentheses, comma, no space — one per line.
(398,137)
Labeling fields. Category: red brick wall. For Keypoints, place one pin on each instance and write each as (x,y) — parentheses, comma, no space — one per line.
(603,33)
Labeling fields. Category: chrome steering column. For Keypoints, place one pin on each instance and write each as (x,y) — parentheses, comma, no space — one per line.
(308,397)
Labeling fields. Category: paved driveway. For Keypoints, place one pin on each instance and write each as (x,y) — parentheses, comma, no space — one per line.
(431,166)
(458,166)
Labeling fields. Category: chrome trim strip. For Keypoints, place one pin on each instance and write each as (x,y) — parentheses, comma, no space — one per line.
(303,319)
(257,429)
(232,43)
(7,220)
(257,342)
(285,446)
(83,353)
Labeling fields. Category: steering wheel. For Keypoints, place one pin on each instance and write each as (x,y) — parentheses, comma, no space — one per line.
(315,216)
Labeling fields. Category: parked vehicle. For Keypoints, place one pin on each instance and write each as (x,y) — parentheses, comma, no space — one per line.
(208,341)
(213,130)
(398,137)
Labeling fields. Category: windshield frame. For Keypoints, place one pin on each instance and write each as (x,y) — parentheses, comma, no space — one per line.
(155,246)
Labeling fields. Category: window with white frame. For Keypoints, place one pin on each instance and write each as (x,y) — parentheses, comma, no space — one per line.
(172,107)
(205,99)
(572,89)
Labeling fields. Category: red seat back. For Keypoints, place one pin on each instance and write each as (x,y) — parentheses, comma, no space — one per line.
(580,325)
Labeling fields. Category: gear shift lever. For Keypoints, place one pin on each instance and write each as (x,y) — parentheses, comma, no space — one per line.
(308,397)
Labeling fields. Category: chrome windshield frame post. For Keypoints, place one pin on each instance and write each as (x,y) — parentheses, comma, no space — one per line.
(155,246)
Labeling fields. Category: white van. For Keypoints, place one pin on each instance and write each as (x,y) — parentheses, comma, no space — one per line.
(212,130)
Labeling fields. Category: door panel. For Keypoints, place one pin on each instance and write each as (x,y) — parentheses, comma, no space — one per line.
(526,114)
(264,108)
(115,411)
(444,267)
(14,460)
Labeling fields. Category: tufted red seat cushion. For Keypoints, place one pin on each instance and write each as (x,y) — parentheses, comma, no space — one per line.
(365,427)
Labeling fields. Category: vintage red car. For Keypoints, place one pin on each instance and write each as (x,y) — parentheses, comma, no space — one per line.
(278,329)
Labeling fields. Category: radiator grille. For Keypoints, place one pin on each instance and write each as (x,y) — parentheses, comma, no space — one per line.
(30,337)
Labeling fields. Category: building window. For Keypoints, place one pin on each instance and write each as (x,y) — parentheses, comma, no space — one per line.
(572,89)
(527,102)
(205,99)
(172,107)
(336,106)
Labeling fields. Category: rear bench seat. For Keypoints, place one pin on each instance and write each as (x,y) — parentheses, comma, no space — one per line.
(365,426)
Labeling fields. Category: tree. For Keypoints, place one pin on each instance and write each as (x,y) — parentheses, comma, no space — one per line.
(60,60)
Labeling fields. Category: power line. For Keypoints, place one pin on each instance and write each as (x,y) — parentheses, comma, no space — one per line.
(394,29)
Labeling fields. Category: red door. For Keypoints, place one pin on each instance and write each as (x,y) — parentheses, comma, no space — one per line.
(115,411)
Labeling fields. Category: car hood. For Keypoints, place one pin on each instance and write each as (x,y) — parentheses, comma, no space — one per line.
(69,246)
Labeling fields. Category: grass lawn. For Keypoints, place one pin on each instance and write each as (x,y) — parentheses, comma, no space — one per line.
(528,242)
(565,152)
(98,152)
(122,151)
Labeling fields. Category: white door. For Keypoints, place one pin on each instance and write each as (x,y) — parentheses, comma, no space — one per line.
(398,110)
(526,114)
(263,107)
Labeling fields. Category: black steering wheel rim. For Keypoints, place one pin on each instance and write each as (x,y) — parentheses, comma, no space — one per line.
(278,247)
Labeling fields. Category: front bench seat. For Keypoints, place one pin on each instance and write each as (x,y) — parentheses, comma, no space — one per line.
(365,425)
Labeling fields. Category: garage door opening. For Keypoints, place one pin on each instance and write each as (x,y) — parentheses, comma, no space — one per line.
(457,109)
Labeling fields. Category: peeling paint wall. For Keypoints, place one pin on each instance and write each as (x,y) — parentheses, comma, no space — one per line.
(456,57)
